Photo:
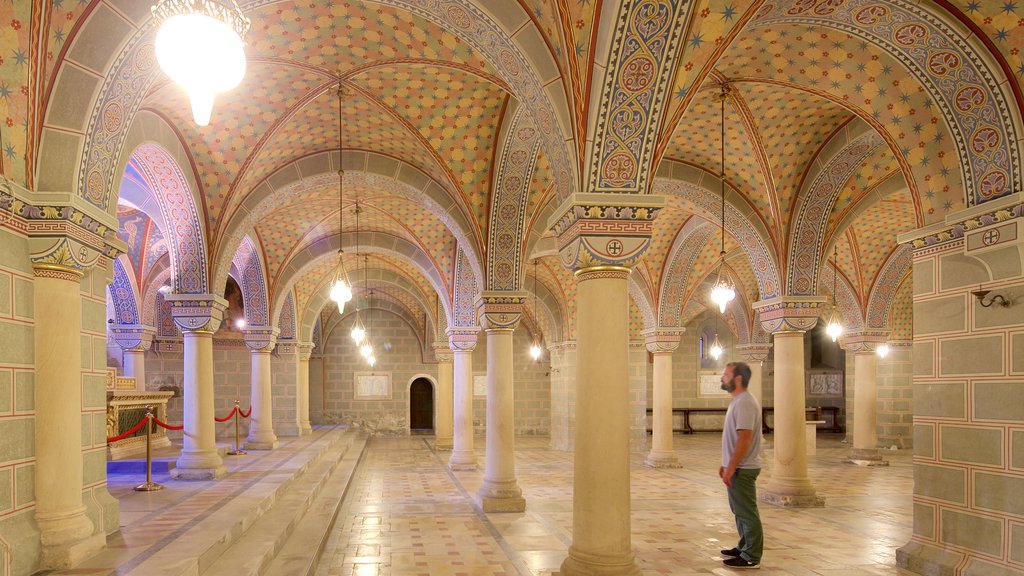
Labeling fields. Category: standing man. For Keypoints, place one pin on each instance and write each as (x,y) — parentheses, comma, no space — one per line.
(741,463)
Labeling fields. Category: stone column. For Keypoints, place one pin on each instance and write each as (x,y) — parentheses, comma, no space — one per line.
(261,341)
(65,532)
(134,340)
(600,237)
(305,350)
(864,346)
(563,395)
(462,342)
(755,355)
(787,319)
(500,313)
(443,420)
(662,343)
(198,316)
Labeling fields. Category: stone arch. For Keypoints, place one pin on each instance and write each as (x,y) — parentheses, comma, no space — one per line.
(949,65)
(322,300)
(699,192)
(639,72)
(846,299)
(817,197)
(169,189)
(124,293)
(510,192)
(679,265)
(251,275)
(644,302)
(132,71)
(464,293)
(372,242)
(158,275)
(550,306)
(894,184)
(286,322)
(361,168)
(888,281)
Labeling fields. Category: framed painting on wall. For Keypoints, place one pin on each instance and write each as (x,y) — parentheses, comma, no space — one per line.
(372,385)
(709,385)
(825,384)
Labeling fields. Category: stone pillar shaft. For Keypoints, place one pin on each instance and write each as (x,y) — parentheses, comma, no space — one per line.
(135,367)
(443,423)
(261,421)
(65,531)
(601,541)
(500,492)
(463,455)
(199,459)
(662,454)
(302,379)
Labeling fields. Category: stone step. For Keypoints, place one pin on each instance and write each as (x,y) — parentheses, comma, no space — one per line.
(196,550)
(301,553)
(163,463)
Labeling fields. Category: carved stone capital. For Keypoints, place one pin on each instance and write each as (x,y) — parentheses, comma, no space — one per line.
(789,313)
(500,310)
(443,352)
(754,352)
(197,312)
(605,230)
(463,338)
(864,340)
(261,338)
(661,340)
(305,350)
(132,337)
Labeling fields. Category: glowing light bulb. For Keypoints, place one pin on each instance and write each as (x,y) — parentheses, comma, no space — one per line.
(358,334)
(366,350)
(341,292)
(371,360)
(535,351)
(716,348)
(882,351)
(834,329)
(722,294)
(240,323)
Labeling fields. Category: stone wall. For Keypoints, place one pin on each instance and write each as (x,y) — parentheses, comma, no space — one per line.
(968,366)
(332,394)
(19,538)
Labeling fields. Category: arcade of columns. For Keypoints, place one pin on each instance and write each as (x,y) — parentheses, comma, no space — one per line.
(619,203)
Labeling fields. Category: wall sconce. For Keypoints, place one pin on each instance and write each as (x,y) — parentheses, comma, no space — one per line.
(995,299)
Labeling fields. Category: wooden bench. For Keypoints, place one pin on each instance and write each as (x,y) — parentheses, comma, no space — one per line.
(811,414)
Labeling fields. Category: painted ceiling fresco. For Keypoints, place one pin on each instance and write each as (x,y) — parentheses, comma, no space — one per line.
(433,98)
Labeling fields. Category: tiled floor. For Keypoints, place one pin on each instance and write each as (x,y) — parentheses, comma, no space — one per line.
(407,514)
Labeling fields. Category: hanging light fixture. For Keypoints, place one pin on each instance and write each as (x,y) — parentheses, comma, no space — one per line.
(716,348)
(199,45)
(341,289)
(366,350)
(358,331)
(723,291)
(882,351)
(535,349)
(834,328)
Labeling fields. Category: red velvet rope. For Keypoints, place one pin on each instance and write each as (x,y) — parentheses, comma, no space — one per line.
(124,435)
(168,426)
(228,417)
(245,414)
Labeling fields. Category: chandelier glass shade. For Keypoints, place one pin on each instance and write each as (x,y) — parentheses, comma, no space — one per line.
(371,360)
(358,334)
(834,328)
(723,291)
(535,351)
(200,46)
(716,348)
(882,351)
(366,350)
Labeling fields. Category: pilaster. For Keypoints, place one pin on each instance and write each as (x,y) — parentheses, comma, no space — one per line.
(304,350)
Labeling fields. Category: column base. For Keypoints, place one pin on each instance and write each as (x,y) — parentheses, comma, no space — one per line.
(262,445)
(927,559)
(462,460)
(67,539)
(443,444)
(305,429)
(583,564)
(793,494)
(866,457)
(662,460)
(215,473)
(501,497)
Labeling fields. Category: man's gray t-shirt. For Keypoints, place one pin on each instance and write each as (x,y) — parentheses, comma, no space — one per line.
(744,414)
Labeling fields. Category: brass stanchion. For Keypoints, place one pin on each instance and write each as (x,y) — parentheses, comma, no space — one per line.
(149,485)
(238,449)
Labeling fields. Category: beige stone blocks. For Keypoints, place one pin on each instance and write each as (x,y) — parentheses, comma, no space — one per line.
(940,399)
(941,483)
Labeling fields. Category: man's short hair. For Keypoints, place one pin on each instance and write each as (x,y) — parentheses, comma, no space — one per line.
(741,369)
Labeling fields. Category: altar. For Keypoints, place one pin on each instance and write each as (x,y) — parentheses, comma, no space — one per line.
(126,406)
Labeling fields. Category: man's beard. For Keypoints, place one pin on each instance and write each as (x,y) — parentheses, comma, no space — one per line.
(730,385)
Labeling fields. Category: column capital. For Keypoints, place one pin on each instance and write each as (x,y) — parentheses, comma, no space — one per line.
(463,339)
(500,310)
(442,352)
(604,231)
(67,235)
(867,340)
(662,340)
(200,313)
(754,352)
(789,313)
(305,350)
(132,337)
(261,338)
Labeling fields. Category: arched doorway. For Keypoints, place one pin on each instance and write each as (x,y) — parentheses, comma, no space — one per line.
(421,405)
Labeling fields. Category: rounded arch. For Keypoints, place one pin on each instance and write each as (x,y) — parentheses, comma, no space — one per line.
(158,184)
(372,242)
(124,294)
(550,307)
(883,292)
(321,301)
(695,187)
(362,168)
(849,305)
(679,265)
(159,275)
(251,275)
